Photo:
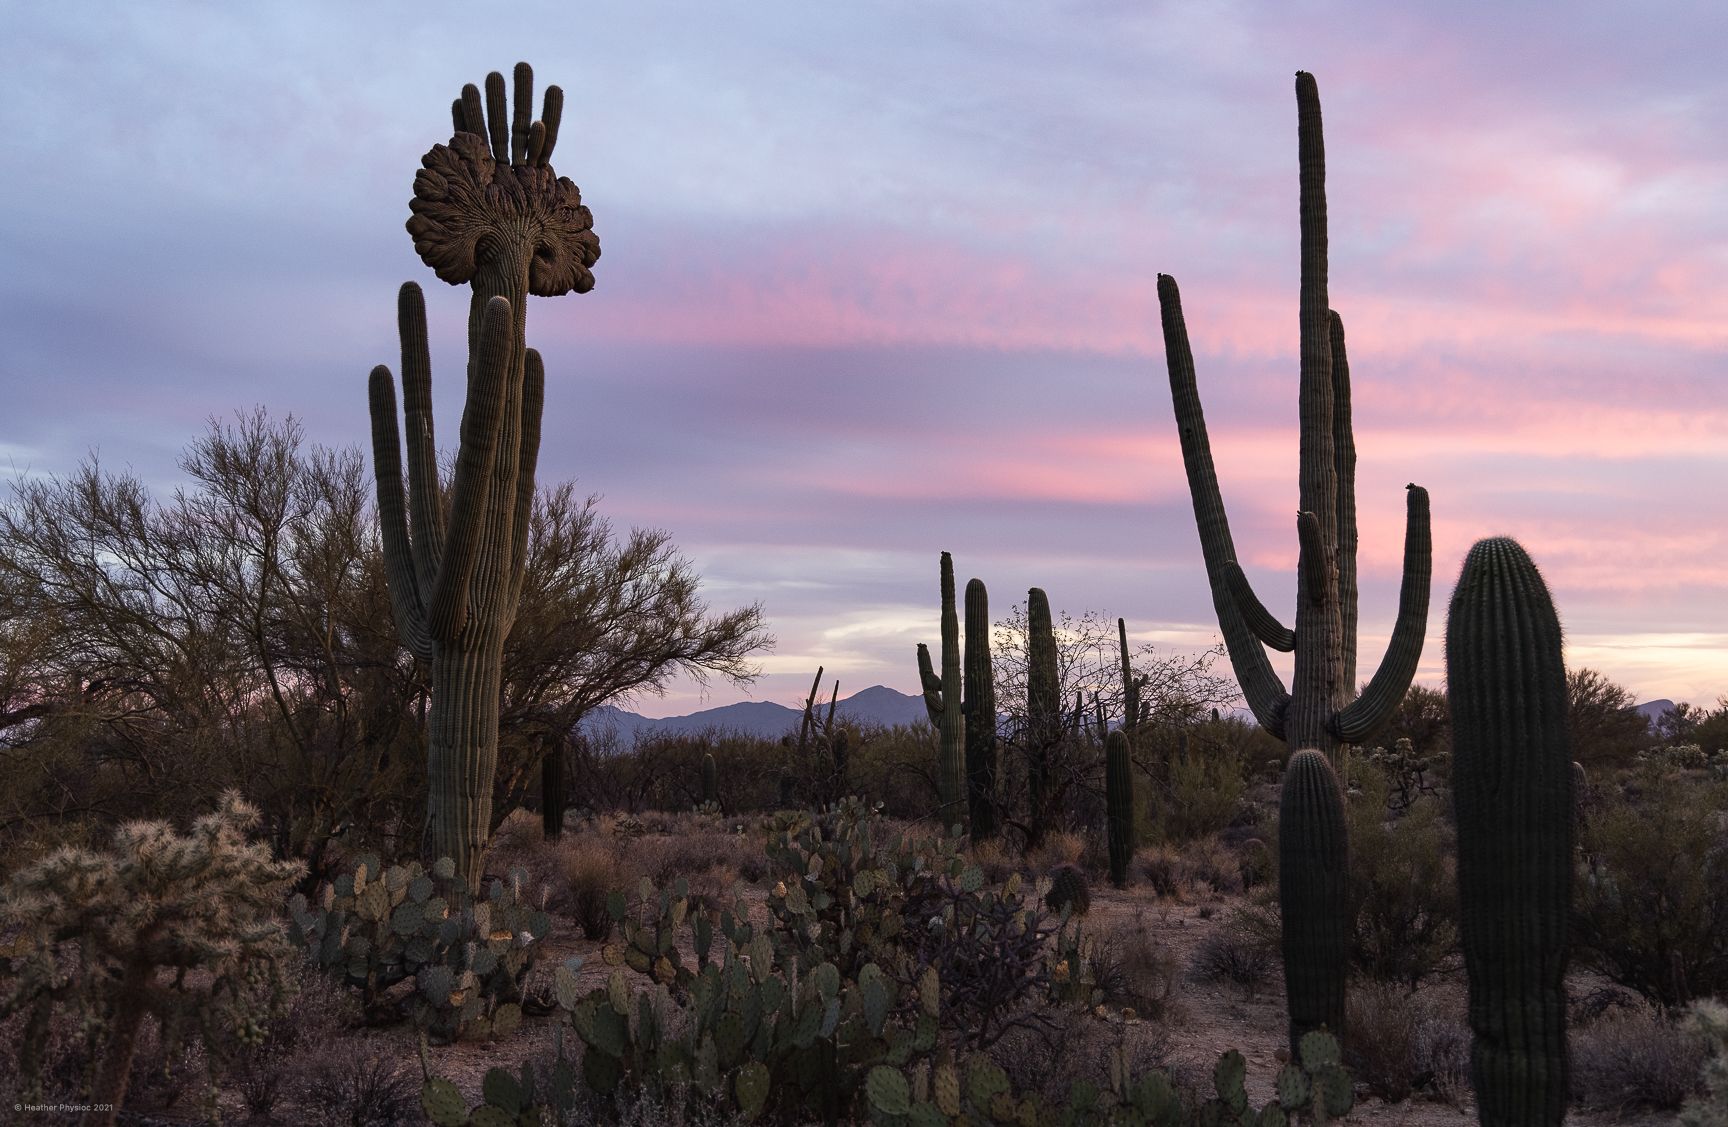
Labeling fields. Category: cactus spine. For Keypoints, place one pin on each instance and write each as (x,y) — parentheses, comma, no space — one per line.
(1512,774)
(1318,711)
(979,707)
(494,214)
(710,779)
(1119,805)
(1043,707)
(944,705)
(1313,895)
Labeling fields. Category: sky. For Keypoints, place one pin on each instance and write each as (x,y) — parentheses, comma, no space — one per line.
(879,281)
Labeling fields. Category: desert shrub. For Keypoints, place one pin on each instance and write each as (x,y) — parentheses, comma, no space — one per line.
(995,860)
(1057,848)
(95,931)
(358,1086)
(1650,907)
(1403,882)
(1632,1059)
(1200,794)
(1402,1044)
(1068,890)
(1048,1063)
(1180,871)
(1133,968)
(314,1012)
(1708,1019)
(590,869)
(1231,954)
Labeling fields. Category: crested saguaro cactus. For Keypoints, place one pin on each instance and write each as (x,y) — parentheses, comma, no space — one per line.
(1512,776)
(944,705)
(488,211)
(1318,710)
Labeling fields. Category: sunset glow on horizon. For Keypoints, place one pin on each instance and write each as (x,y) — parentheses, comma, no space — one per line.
(880,281)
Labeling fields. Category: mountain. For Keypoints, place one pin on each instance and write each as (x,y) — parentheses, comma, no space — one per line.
(1652,711)
(876,705)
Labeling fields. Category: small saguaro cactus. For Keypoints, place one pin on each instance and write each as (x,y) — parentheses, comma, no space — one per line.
(710,779)
(488,211)
(1119,805)
(979,706)
(1134,710)
(944,704)
(1512,778)
(1043,708)
(1313,895)
(1318,710)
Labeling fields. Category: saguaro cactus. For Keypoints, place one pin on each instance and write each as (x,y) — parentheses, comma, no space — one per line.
(1512,777)
(1318,711)
(1313,895)
(1119,805)
(710,779)
(944,704)
(979,706)
(488,210)
(1043,709)
(1133,708)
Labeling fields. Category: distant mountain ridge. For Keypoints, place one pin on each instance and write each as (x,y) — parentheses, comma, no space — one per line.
(876,705)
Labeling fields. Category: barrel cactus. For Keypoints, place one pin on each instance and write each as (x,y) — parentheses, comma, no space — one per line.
(489,212)
(1512,778)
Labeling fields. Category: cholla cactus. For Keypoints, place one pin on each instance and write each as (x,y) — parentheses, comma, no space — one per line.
(96,930)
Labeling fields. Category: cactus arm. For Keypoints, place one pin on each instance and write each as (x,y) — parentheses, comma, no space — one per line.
(473,118)
(951,766)
(524,112)
(931,684)
(1392,679)
(533,404)
(1313,564)
(1344,461)
(482,421)
(551,112)
(497,120)
(1261,621)
(405,598)
(426,503)
(1261,687)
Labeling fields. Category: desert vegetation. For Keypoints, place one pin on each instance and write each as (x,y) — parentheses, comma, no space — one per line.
(303,826)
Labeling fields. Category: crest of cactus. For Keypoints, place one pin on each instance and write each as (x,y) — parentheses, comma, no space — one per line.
(1313,895)
(979,706)
(1317,711)
(1119,805)
(1512,778)
(944,705)
(490,212)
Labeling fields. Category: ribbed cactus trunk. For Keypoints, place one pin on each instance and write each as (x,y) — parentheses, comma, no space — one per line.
(1119,805)
(1043,710)
(1313,895)
(553,795)
(1512,778)
(1318,711)
(1131,704)
(488,211)
(979,707)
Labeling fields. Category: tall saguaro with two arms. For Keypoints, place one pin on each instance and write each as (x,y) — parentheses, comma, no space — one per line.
(489,212)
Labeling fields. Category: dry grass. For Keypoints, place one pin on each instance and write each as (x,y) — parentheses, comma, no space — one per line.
(1402,1044)
(1194,870)
(1634,1058)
